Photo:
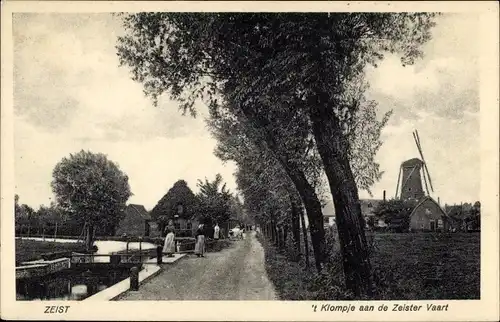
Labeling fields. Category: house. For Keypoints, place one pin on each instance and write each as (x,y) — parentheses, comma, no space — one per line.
(328,214)
(428,216)
(368,207)
(137,222)
(185,223)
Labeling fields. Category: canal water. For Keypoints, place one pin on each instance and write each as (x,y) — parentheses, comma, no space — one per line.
(68,285)
(76,284)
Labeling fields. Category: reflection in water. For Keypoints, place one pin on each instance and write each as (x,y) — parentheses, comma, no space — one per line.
(68,285)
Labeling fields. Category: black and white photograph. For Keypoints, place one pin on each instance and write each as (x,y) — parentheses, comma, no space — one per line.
(330,156)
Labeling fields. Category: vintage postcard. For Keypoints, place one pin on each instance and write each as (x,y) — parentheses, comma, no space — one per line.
(250,161)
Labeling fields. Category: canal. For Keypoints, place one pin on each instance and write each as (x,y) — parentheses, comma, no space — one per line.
(77,284)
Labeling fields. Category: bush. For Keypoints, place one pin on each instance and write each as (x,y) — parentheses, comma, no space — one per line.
(294,282)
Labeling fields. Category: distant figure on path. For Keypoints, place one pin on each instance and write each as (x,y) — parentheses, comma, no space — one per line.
(199,247)
(169,246)
(216,231)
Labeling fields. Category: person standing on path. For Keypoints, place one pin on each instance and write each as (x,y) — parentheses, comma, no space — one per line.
(199,247)
(169,246)
(216,231)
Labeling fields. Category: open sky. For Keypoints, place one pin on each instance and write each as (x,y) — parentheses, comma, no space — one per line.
(70,94)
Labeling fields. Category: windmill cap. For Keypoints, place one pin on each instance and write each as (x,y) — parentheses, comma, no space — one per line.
(412,162)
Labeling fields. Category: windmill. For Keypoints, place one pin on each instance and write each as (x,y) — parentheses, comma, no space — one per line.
(410,176)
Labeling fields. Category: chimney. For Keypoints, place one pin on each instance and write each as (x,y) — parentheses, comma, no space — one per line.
(439,201)
(384,195)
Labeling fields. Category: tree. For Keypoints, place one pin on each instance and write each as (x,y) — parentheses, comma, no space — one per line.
(264,62)
(16,203)
(238,210)
(214,200)
(24,215)
(91,189)
(287,153)
(178,201)
(395,213)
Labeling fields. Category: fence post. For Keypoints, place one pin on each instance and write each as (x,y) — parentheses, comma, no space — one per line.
(140,249)
(159,255)
(134,278)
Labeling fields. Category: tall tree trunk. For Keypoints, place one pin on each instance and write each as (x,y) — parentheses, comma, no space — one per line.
(285,234)
(333,149)
(305,189)
(314,216)
(295,229)
(276,237)
(304,233)
(271,227)
(282,236)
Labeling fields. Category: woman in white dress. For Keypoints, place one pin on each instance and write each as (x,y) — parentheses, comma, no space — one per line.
(169,246)
(199,247)
(216,231)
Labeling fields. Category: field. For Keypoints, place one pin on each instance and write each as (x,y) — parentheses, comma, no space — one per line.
(27,250)
(430,266)
(406,267)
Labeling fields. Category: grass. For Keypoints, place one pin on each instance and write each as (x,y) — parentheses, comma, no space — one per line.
(405,267)
(410,262)
(28,250)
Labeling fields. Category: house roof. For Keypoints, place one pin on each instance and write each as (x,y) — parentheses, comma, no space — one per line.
(367,207)
(141,210)
(424,199)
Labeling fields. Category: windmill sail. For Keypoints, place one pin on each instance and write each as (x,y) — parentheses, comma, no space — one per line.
(417,142)
(397,186)
(426,170)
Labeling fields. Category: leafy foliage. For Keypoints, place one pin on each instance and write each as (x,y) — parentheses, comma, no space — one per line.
(91,189)
(395,213)
(290,75)
(169,205)
(214,200)
(23,214)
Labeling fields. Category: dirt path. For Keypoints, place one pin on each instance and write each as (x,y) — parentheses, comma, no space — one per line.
(236,273)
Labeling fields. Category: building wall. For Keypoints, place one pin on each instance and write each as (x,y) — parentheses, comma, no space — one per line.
(411,179)
(424,214)
(413,187)
(184,227)
(368,206)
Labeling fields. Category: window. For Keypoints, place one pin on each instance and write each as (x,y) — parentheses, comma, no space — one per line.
(177,225)
(189,225)
(370,205)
